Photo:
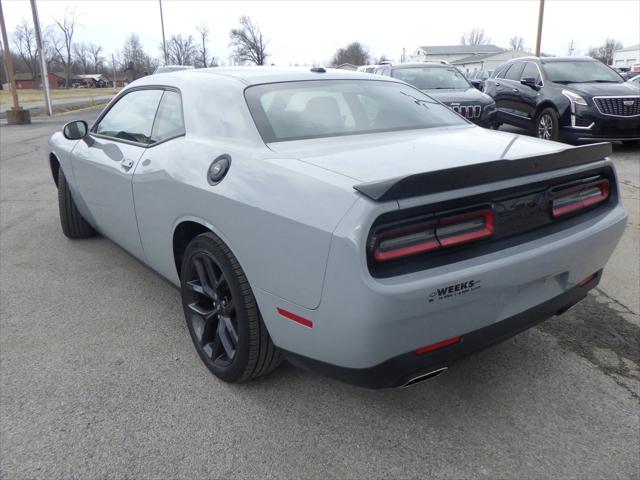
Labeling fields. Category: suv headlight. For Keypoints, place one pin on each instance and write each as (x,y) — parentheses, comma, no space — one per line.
(574,98)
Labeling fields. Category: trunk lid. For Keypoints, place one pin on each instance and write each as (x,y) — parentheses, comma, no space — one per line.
(377,157)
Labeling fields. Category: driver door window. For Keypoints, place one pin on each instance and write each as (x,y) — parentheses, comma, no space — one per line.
(131,118)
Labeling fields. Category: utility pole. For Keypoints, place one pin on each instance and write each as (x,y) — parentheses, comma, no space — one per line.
(17,115)
(43,63)
(539,37)
(164,42)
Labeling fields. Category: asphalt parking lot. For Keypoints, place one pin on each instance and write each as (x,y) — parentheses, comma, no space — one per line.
(99,379)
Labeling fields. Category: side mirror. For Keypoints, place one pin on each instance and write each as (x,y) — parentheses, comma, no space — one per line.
(529,82)
(75,130)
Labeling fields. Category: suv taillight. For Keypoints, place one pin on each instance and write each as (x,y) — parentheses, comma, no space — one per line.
(572,199)
(432,234)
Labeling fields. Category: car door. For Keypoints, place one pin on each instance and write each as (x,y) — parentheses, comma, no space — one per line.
(511,92)
(159,187)
(525,100)
(497,89)
(103,165)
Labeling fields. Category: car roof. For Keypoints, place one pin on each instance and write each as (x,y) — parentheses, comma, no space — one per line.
(259,75)
(421,65)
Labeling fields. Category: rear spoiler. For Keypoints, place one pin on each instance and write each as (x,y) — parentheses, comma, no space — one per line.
(478,174)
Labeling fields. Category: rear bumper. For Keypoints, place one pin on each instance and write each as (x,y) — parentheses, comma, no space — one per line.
(398,371)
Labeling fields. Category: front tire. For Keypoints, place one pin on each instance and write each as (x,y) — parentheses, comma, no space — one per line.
(73,224)
(546,126)
(222,315)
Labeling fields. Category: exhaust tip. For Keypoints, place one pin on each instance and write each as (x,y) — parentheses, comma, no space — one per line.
(425,376)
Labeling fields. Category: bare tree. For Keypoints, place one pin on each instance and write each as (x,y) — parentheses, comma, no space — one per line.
(181,50)
(571,48)
(475,36)
(136,61)
(604,52)
(67,26)
(355,53)
(248,43)
(25,42)
(82,56)
(203,58)
(96,57)
(517,44)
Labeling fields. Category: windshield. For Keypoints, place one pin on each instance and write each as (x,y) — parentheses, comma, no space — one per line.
(580,71)
(326,108)
(432,78)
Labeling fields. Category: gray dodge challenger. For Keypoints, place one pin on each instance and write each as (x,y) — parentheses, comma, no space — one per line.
(347,222)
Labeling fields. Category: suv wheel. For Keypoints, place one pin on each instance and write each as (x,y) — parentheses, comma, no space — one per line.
(547,124)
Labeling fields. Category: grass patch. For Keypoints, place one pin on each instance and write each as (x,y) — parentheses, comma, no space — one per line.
(30,95)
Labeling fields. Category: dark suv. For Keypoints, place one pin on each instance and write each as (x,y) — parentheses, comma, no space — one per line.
(446,84)
(573,99)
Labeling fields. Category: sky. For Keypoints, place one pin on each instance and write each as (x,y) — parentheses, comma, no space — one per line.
(309,32)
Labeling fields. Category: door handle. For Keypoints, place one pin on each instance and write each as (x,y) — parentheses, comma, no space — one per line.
(127,163)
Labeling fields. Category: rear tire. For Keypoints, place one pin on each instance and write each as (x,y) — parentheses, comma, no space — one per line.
(222,315)
(546,125)
(73,224)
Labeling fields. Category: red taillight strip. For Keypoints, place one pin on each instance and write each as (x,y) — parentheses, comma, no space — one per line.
(295,318)
(438,346)
(441,240)
(579,204)
(406,251)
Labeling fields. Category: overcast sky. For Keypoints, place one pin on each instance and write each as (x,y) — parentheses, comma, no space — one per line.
(311,31)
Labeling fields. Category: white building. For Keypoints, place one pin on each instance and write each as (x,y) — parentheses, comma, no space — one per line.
(626,57)
(450,53)
(487,61)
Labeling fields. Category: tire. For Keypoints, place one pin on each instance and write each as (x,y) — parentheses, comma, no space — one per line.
(73,225)
(222,315)
(546,124)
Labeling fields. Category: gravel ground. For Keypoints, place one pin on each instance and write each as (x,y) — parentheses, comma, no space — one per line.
(99,379)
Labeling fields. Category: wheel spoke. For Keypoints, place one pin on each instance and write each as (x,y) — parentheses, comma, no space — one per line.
(206,276)
(227,338)
(194,285)
(204,313)
(204,328)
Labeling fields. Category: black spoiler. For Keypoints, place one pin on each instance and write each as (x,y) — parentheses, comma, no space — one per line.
(471,175)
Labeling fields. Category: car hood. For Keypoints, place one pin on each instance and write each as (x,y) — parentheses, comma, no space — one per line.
(462,95)
(606,89)
(375,157)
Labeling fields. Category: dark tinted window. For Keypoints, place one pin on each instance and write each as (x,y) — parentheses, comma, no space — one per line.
(327,108)
(500,71)
(514,71)
(169,122)
(530,71)
(131,118)
(429,78)
(580,71)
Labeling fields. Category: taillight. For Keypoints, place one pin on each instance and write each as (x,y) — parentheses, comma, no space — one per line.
(575,198)
(434,234)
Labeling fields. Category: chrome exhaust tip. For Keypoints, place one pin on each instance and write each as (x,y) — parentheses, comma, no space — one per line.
(425,376)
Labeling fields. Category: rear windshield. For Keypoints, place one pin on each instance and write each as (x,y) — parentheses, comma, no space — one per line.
(329,108)
(432,78)
(580,71)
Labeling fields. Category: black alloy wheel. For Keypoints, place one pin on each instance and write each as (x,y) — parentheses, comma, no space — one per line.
(222,315)
(211,311)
